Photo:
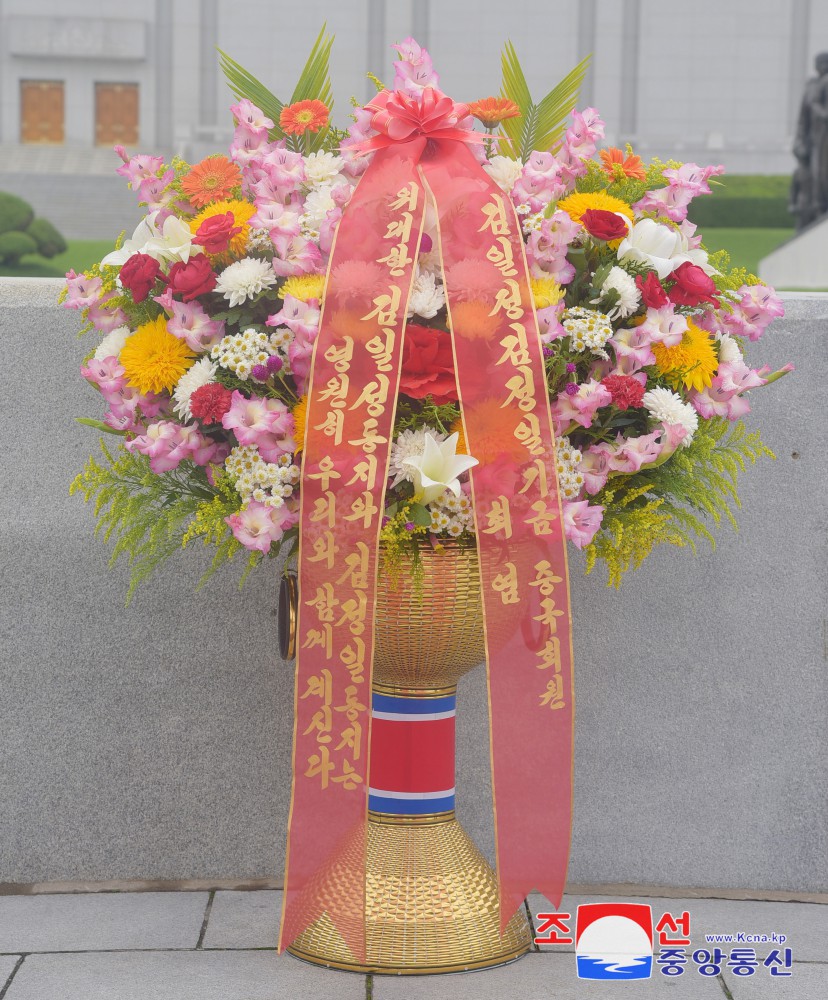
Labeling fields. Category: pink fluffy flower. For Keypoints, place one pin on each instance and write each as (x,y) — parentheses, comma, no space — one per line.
(295,255)
(413,71)
(138,168)
(258,526)
(581,406)
(82,291)
(757,307)
(190,323)
(581,521)
(265,423)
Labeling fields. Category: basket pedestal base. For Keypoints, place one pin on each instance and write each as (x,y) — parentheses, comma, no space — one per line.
(431,905)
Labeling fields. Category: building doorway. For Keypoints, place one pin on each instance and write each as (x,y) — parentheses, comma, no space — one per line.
(116,114)
(41,111)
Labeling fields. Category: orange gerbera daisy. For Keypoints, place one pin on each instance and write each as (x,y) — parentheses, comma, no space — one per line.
(617,166)
(493,110)
(211,180)
(303,116)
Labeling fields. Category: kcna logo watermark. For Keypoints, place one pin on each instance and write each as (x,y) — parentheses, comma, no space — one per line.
(617,940)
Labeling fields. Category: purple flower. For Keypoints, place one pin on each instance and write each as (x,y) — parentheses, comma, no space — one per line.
(571,367)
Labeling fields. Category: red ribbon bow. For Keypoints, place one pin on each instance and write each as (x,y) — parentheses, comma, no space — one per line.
(398,118)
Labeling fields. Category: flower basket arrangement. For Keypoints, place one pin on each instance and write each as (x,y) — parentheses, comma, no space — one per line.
(536,348)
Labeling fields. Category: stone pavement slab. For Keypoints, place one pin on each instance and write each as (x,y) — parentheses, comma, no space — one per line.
(101,921)
(7,964)
(244,920)
(538,976)
(807,982)
(175,975)
(805,924)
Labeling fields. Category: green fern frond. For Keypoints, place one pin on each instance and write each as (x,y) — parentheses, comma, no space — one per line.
(540,126)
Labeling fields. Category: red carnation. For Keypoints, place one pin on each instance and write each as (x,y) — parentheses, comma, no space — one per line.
(604,225)
(428,365)
(625,390)
(138,275)
(652,291)
(192,279)
(692,286)
(215,233)
(210,402)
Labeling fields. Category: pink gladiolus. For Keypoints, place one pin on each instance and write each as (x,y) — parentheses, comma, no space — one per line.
(595,467)
(295,255)
(549,323)
(266,424)
(631,454)
(581,406)
(328,229)
(299,317)
(539,183)
(664,326)
(632,350)
(165,443)
(82,291)
(104,317)
(581,521)
(284,168)
(107,374)
(546,248)
(258,526)
(300,352)
(247,114)
(684,183)
(276,218)
(247,144)
(414,71)
(757,307)
(157,193)
(190,323)
(718,401)
(138,168)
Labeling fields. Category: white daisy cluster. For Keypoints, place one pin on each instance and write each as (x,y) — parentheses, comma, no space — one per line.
(532,223)
(259,242)
(271,483)
(245,279)
(588,329)
(668,407)
(409,444)
(570,480)
(241,352)
(281,339)
(451,515)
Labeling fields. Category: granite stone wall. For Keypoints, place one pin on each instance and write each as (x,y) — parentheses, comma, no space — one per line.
(154,741)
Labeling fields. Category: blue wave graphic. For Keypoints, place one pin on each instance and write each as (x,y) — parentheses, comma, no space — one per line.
(632,967)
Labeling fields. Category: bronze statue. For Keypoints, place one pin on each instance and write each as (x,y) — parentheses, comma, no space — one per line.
(809,186)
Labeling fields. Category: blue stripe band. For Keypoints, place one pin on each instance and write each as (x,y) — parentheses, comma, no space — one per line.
(410,807)
(413,706)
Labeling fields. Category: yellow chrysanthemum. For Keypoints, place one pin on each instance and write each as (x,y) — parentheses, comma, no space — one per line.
(304,287)
(579,202)
(242,212)
(153,359)
(546,292)
(300,418)
(692,362)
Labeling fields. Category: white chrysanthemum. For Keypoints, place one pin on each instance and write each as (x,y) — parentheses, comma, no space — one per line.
(322,168)
(244,279)
(668,407)
(110,346)
(203,372)
(628,295)
(729,351)
(504,171)
(410,444)
(588,330)
(427,296)
(317,205)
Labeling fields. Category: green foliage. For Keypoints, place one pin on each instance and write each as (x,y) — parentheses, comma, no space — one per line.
(49,241)
(314,84)
(542,125)
(696,486)
(720,210)
(147,515)
(15,245)
(15,214)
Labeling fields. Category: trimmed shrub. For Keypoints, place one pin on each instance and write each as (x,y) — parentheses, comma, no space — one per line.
(15,214)
(49,241)
(719,210)
(14,245)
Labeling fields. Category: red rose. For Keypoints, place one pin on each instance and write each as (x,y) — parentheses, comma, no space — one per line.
(603,225)
(428,365)
(192,279)
(625,390)
(210,402)
(692,286)
(652,291)
(215,233)
(138,275)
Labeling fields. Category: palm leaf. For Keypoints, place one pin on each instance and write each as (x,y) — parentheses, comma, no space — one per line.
(540,125)
(245,85)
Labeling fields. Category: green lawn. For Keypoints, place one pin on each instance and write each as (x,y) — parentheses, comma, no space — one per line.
(745,246)
(80,255)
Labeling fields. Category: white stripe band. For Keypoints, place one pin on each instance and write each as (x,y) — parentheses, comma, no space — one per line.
(413,716)
(411,795)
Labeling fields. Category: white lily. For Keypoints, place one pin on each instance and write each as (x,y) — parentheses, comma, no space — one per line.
(438,468)
(650,243)
(172,241)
